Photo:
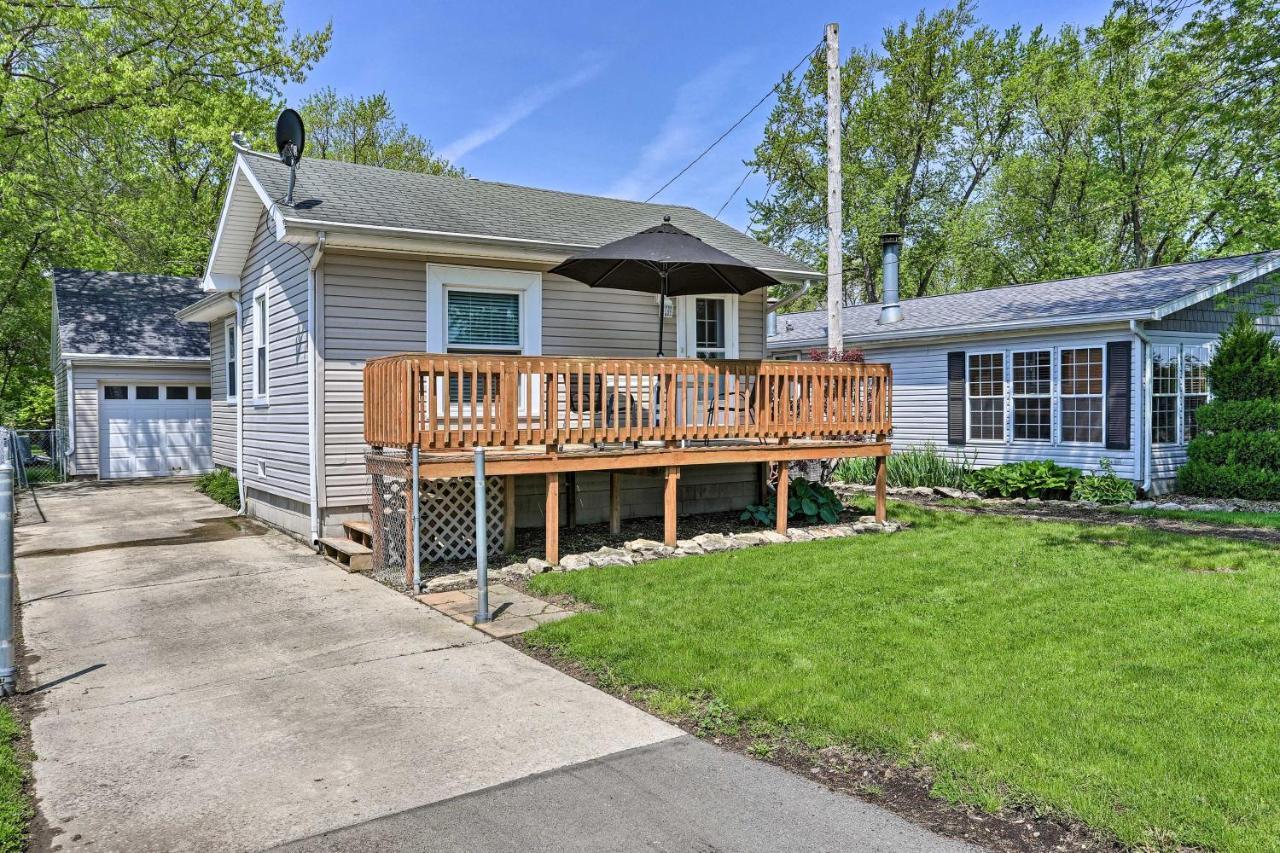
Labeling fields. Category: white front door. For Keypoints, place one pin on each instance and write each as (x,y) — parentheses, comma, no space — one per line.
(154,430)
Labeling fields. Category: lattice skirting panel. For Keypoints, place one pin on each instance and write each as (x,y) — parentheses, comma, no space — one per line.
(448,518)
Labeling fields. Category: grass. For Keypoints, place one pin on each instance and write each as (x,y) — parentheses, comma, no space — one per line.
(15,808)
(221,485)
(1123,676)
(1269,520)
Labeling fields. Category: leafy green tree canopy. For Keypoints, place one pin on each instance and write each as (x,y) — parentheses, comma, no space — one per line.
(364,130)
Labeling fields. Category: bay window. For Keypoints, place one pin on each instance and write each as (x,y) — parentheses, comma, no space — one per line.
(1195,385)
(1080,395)
(1179,386)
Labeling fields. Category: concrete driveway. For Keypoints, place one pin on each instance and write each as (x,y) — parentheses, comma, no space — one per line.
(208,684)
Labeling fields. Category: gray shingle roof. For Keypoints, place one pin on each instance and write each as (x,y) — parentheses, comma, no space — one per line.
(1130,294)
(345,193)
(119,313)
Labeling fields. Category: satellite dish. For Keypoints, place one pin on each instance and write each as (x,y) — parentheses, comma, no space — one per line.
(291,139)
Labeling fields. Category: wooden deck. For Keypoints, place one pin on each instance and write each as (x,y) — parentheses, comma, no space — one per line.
(554,416)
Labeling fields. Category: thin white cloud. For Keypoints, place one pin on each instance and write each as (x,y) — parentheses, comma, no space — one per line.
(518,110)
(687,129)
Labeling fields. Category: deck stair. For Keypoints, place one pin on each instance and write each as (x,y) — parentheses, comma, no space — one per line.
(359,531)
(349,555)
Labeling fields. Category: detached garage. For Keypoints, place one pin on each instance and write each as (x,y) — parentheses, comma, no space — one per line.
(132,383)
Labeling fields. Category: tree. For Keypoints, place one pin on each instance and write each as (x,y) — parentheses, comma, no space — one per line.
(1009,157)
(365,130)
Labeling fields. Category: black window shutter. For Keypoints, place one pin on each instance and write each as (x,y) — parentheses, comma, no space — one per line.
(1119,393)
(955,398)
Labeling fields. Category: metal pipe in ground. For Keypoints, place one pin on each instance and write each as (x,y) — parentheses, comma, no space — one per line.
(7,505)
(482,542)
(416,497)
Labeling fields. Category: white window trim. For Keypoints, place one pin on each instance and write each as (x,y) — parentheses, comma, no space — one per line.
(1102,347)
(1180,404)
(686,324)
(528,285)
(1006,416)
(228,351)
(1013,395)
(261,340)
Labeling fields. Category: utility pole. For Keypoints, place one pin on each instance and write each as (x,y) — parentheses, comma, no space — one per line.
(835,219)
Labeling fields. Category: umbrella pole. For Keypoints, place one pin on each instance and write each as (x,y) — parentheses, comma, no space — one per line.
(662,308)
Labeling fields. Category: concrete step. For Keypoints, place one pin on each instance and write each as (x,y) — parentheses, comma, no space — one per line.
(359,531)
(350,556)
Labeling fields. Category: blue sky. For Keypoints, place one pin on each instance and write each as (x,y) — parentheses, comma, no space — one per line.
(603,98)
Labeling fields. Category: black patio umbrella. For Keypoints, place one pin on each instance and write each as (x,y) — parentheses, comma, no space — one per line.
(667,261)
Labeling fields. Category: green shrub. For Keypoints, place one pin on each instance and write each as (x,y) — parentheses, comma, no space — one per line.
(1229,481)
(921,466)
(221,485)
(1243,415)
(1247,364)
(1250,449)
(806,501)
(1032,478)
(1104,488)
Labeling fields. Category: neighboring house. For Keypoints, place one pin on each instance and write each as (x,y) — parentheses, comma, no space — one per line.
(1105,366)
(131,382)
(371,262)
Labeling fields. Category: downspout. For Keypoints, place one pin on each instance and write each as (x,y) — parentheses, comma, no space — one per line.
(312,409)
(70,449)
(776,309)
(1144,435)
(240,404)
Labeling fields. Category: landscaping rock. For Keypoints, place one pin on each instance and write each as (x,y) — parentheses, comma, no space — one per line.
(822,533)
(867,519)
(516,570)
(891,527)
(1170,506)
(1143,505)
(922,491)
(537,567)
(749,539)
(712,542)
(687,548)
(799,534)
(773,537)
(948,492)
(449,583)
(843,530)
(609,557)
(574,563)
(1208,508)
(643,545)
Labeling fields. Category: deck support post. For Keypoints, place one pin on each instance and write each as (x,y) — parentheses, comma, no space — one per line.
(615,503)
(783,483)
(669,506)
(571,499)
(509,514)
(881,478)
(553,519)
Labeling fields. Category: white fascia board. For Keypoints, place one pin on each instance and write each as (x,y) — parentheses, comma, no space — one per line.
(99,358)
(220,282)
(240,172)
(207,310)
(1258,271)
(1036,325)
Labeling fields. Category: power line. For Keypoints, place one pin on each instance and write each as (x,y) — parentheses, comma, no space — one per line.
(751,171)
(734,126)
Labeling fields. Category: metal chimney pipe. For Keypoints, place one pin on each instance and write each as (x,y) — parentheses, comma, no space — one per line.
(890,311)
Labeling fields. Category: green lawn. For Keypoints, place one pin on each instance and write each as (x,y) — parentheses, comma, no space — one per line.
(15,810)
(1269,520)
(1125,676)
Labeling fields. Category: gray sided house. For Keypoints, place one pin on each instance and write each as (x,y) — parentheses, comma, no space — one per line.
(131,382)
(1080,370)
(370,262)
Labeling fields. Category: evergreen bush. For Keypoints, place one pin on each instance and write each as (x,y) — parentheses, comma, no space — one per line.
(1237,452)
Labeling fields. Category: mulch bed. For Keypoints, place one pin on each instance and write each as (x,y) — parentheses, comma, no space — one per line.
(905,791)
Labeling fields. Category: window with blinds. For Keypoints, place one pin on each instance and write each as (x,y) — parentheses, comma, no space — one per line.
(479,321)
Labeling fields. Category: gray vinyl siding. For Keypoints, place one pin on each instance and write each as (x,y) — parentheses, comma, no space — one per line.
(88,380)
(222,412)
(275,429)
(372,306)
(1214,316)
(920,401)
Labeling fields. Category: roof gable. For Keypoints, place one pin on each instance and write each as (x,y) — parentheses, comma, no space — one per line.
(126,314)
(1143,294)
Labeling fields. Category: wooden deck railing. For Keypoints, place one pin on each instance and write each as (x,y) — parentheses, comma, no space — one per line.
(452,402)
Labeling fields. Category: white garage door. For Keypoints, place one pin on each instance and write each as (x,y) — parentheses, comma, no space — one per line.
(154,430)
